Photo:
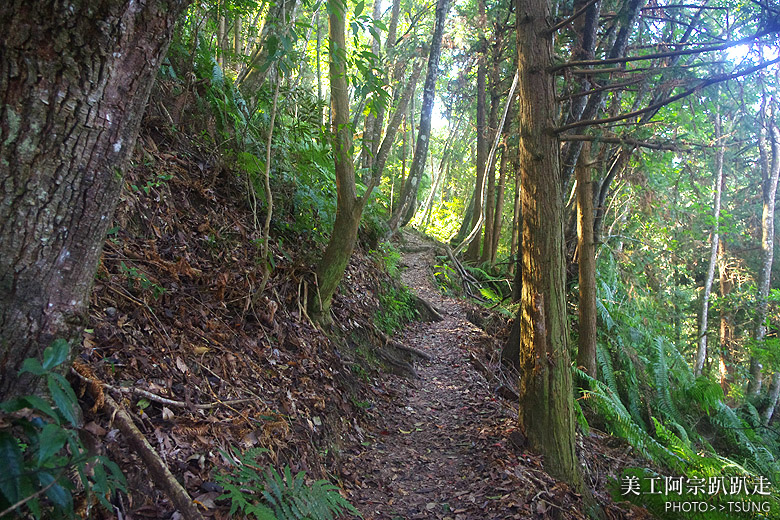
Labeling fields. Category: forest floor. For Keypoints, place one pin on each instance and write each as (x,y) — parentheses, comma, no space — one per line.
(447,446)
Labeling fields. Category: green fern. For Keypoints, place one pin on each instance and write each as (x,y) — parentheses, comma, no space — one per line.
(606,371)
(270,495)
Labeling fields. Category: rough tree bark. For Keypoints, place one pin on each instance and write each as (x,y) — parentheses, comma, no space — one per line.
(546,399)
(701,351)
(726,281)
(74,81)
(407,201)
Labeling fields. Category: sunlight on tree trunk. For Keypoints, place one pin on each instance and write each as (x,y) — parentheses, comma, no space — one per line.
(586,256)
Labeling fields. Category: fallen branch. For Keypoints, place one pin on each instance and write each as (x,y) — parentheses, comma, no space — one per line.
(154,397)
(157,469)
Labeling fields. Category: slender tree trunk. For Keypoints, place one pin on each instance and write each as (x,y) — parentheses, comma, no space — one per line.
(407,201)
(74,81)
(428,205)
(320,97)
(770,170)
(515,226)
(701,352)
(221,40)
(499,213)
(395,122)
(373,118)
(238,41)
(472,253)
(278,20)
(774,393)
(546,398)
(726,361)
(586,247)
(348,208)
(490,197)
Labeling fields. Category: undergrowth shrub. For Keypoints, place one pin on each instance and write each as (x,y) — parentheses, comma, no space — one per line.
(266,494)
(43,457)
(397,306)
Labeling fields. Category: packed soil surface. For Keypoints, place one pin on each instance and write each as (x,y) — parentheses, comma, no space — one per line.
(447,446)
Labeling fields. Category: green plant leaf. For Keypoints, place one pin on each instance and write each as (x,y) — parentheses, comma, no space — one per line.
(63,397)
(58,495)
(32,366)
(13,465)
(50,441)
(56,354)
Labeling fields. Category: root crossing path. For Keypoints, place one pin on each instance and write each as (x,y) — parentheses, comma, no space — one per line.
(444,446)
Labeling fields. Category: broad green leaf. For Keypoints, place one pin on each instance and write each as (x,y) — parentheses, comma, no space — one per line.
(56,354)
(50,441)
(58,495)
(41,405)
(33,366)
(13,465)
(63,397)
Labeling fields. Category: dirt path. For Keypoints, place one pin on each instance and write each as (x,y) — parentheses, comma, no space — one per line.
(445,451)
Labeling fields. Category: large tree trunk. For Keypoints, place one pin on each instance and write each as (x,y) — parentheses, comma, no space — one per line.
(586,255)
(701,351)
(408,199)
(546,398)
(770,170)
(74,80)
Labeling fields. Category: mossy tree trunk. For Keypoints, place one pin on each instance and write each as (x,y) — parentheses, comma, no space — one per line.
(74,81)
(349,207)
(546,399)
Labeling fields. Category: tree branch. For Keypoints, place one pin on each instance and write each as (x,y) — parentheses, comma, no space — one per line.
(577,14)
(685,52)
(671,147)
(705,83)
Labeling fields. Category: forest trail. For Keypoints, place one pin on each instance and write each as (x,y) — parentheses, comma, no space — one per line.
(446,451)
